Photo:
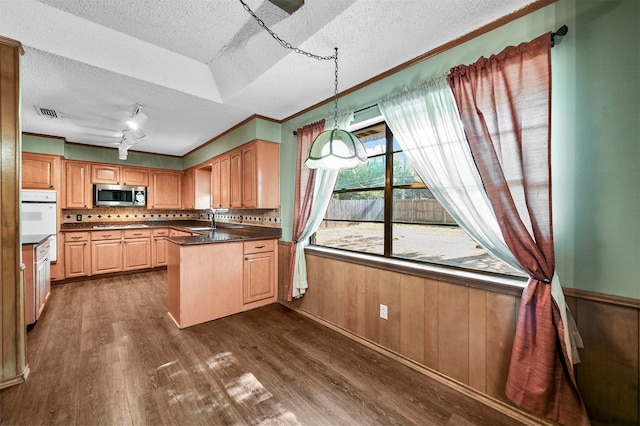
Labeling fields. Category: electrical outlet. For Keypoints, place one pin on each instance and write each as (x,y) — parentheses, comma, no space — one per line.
(79,217)
(383,312)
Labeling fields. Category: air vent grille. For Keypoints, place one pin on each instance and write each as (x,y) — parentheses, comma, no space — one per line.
(46,112)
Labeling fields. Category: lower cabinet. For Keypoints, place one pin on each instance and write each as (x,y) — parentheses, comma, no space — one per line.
(259,271)
(159,247)
(77,254)
(106,252)
(137,249)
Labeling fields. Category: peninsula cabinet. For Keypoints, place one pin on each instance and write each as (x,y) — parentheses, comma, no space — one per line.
(40,171)
(77,185)
(164,190)
(106,252)
(77,254)
(259,271)
(117,175)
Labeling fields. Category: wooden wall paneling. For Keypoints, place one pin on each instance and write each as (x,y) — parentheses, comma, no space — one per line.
(453,331)
(501,329)
(310,300)
(354,303)
(12,330)
(412,308)
(431,323)
(372,305)
(609,372)
(329,274)
(283,269)
(390,296)
(478,339)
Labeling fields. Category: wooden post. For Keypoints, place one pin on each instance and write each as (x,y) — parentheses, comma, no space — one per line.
(12,326)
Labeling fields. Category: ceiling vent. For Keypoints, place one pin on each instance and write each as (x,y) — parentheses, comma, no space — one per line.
(46,112)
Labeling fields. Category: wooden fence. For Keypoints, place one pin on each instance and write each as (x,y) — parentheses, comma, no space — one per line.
(411,211)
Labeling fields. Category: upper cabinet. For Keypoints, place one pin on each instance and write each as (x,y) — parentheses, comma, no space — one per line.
(77,185)
(40,171)
(165,188)
(188,189)
(247,177)
(117,175)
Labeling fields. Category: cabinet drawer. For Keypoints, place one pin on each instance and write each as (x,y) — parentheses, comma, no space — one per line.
(76,236)
(160,232)
(137,233)
(259,246)
(106,235)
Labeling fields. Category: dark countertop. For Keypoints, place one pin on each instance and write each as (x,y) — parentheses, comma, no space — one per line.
(34,239)
(224,235)
(224,232)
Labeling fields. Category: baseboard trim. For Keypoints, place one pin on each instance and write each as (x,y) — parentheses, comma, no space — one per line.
(504,408)
(16,380)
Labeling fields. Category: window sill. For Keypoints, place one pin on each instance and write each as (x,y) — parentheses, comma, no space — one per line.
(492,282)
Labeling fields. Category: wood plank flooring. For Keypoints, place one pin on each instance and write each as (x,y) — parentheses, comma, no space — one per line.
(106,352)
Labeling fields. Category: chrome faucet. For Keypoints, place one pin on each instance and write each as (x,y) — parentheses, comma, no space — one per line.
(213,217)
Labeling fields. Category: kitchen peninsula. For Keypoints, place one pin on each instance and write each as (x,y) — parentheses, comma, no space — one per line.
(220,273)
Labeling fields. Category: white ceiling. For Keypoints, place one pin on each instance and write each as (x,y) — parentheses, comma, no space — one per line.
(199,67)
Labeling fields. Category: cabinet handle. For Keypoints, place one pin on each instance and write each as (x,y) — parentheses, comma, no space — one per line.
(106,235)
(138,233)
(75,238)
(260,246)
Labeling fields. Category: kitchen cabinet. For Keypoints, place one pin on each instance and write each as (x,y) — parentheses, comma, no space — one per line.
(159,247)
(40,171)
(259,271)
(106,252)
(37,280)
(188,189)
(77,254)
(118,175)
(137,249)
(247,177)
(77,185)
(165,190)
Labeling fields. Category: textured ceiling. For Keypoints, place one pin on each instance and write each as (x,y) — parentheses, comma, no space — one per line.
(200,67)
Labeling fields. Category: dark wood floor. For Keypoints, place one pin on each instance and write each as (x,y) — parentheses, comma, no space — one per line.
(106,352)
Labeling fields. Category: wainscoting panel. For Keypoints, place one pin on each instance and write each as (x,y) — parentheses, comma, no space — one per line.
(466,333)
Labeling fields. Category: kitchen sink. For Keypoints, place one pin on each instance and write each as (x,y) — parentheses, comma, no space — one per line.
(199,228)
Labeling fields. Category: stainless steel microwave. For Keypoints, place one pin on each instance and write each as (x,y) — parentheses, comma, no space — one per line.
(119,195)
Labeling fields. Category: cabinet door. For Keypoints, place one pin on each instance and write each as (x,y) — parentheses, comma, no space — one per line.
(135,176)
(38,171)
(76,259)
(225,181)
(235,192)
(215,183)
(137,254)
(249,177)
(77,185)
(106,256)
(188,189)
(159,251)
(103,173)
(258,281)
(165,190)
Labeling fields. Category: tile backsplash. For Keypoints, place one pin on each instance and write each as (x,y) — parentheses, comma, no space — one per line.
(258,217)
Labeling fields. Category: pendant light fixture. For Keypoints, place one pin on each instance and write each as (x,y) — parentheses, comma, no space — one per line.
(335,148)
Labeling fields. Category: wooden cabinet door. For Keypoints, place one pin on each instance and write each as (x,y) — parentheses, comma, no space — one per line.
(77,185)
(258,282)
(103,173)
(235,188)
(188,189)
(249,177)
(159,251)
(106,256)
(76,259)
(137,254)
(135,176)
(166,188)
(225,181)
(215,184)
(39,171)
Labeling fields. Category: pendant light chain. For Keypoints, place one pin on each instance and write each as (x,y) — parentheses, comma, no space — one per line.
(335,94)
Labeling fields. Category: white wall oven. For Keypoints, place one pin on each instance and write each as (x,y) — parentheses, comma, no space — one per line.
(40,216)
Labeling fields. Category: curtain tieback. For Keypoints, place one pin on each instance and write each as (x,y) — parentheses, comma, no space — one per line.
(544,280)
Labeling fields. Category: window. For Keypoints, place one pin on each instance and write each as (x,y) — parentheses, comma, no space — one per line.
(383,208)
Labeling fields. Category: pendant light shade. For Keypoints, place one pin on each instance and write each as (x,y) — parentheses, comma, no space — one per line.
(336,149)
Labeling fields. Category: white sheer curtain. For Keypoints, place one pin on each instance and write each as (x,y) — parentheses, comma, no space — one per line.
(426,123)
(325,181)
